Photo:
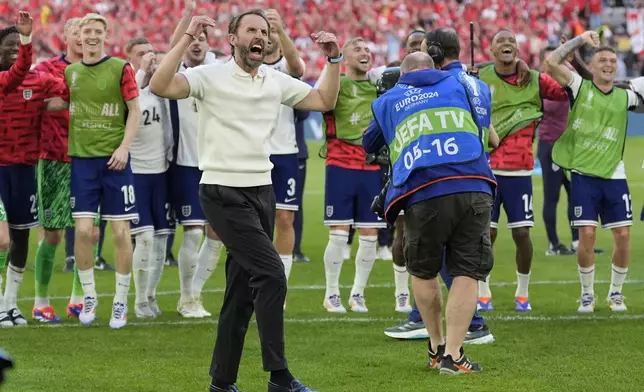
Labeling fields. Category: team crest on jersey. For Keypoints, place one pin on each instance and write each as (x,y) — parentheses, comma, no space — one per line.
(101,84)
(578,211)
(27,94)
(186,210)
(72,202)
(329,211)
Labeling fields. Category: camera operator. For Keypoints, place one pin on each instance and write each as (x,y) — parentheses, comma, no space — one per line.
(444,47)
(441,178)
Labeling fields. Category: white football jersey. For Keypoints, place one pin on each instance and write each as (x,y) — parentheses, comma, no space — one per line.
(150,148)
(282,139)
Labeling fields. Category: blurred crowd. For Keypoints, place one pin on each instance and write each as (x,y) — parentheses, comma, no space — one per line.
(382,22)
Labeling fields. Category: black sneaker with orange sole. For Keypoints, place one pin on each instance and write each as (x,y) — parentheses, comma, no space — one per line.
(435,357)
(463,365)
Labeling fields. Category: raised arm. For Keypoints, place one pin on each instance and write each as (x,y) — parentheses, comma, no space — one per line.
(188,10)
(166,82)
(289,51)
(324,97)
(11,79)
(555,66)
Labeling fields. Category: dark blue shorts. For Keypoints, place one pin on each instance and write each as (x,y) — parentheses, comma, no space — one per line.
(18,194)
(515,195)
(184,182)
(94,185)
(284,177)
(348,195)
(593,198)
(153,203)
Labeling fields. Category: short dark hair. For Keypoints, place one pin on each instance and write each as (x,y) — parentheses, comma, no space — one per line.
(549,48)
(234,23)
(395,63)
(604,48)
(7,31)
(412,34)
(448,40)
(136,41)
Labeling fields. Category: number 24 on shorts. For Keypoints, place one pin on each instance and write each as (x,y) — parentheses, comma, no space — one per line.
(449,147)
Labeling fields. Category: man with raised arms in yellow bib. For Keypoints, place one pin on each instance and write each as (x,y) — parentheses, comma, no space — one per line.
(591,147)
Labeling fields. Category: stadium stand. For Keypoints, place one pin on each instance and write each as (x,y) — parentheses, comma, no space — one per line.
(383,22)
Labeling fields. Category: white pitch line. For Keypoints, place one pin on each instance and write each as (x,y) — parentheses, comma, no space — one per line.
(345,320)
(371,286)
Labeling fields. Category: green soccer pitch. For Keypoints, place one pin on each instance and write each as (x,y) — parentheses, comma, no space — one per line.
(550,349)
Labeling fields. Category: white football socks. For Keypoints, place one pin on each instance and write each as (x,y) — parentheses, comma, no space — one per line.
(523,284)
(122,288)
(617,278)
(141,264)
(159,245)
(287,260)
(87,282)
(365,258)
(333,259)
(587,278)
(14,278)
(401,280)
(206,263)
(187,258)
(484,288)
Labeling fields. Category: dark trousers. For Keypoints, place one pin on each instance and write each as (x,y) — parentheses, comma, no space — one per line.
(552,183)
(244,219)
(298,223)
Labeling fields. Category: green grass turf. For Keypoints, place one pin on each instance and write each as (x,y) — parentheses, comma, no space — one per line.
(552,349)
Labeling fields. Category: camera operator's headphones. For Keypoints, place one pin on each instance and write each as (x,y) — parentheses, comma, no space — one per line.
(435,51)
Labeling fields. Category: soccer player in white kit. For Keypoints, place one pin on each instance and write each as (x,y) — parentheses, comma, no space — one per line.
(196,264)
(282,55)
(149,159)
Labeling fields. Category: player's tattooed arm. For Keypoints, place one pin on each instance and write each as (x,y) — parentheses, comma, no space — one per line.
(555,66)
(289,50)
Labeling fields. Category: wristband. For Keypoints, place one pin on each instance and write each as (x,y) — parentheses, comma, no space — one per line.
(190,35)
(335,60)
(25,39)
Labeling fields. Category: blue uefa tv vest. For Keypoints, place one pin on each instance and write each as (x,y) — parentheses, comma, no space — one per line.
(432,136)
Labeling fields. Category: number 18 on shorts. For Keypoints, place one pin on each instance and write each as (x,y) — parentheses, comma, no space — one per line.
(94,185)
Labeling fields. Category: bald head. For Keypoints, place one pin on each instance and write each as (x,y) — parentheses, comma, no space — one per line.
(415,62)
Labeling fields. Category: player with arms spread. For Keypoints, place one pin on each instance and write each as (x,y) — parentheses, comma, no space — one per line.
(149,164)
(21,110)
(282,55)
(104,117)
(592,148)
(516,112)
